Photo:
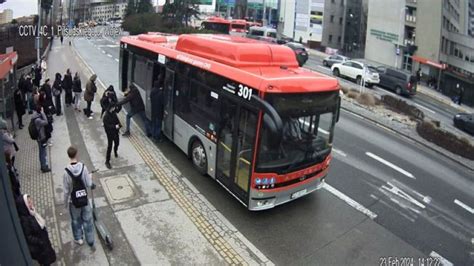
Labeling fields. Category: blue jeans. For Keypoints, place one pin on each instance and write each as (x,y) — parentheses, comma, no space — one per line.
(143,117)
(42,155)
(82,223)
(156,129)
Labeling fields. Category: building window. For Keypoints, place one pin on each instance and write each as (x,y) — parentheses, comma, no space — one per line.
(339,39)
(331,19)
(342,2)
(340,21)
(330,38)
(333,1)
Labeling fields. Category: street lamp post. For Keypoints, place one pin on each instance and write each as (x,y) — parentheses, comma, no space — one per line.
(38,59)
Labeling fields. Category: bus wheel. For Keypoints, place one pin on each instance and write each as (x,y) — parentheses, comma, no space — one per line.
(198,155)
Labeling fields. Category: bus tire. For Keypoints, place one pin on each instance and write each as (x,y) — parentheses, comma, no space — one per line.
(199,157)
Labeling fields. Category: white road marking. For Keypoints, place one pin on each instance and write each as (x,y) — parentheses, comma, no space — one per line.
(116,59)
(464,206)
(109,55)
(426,108)
(402,194)
(339,152)
(102,51)
(443,261)
(350,201)
(356,115)
(387,163)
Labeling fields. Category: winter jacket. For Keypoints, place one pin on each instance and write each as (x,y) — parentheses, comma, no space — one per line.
(48,100)
(21,84)
(57,87)
(67,82)
(136,101)
(156,97)
(19,102)
(75,169)
(8,142)
(110,122)
(109,98)
(40,122)
(37,238)
(91,89)
(28,85)
(76,85)
(14,181)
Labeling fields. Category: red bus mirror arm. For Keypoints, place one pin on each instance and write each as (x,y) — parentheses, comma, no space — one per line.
(271,118)
(338,110)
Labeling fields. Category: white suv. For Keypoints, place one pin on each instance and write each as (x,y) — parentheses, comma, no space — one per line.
(357,71)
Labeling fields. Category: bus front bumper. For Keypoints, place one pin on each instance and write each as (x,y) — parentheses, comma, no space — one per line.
(263,200)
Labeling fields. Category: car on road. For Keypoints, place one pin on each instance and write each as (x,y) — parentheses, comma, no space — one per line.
(399,81)
(357,71)
(333,59)
(464,122)
(300,52)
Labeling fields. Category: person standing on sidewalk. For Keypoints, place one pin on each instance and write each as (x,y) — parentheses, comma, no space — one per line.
(67,85)
(29,94)
(34,229)
(91,89)
(461,95)
(77,89)
(76,181)
(41,122)
(57,90)
(109,98)
(156,96)
(19,106)
(9,144)
(112,126)
(132,95)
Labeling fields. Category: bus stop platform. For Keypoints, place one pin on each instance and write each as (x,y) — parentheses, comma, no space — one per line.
(154,213)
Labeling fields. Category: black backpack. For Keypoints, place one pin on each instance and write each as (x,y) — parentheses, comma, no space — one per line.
(79,191)
(33,130)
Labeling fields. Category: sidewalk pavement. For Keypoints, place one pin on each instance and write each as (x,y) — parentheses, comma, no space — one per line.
(154,213)
(422,89)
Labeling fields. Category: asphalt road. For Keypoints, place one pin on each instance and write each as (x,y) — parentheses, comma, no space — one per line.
(416,193)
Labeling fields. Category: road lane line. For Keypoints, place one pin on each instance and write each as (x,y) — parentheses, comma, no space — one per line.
(339,152)
(426,108)
(464,206)
(387,163)
(109,55)
(116,59)
(443,261)
(350,201)
(102,51)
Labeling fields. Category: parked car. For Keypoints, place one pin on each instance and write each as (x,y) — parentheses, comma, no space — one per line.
(401,82)
(356,71)
(300,52)
(464,122)
(333,59)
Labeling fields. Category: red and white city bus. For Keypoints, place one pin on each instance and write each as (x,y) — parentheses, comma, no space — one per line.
(242,110)
(238,27)
(216,24)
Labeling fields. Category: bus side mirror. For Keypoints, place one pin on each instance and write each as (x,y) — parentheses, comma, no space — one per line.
(338,108)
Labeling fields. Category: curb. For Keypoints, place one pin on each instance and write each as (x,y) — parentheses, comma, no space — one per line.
(408,137)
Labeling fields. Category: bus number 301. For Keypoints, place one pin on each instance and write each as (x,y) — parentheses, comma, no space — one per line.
(244,92)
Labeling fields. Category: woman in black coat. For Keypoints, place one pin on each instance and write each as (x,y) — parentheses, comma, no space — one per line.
(19,106)
(34,228)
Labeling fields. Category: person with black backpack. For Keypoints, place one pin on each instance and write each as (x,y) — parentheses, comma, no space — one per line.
(76,181)
(37,131)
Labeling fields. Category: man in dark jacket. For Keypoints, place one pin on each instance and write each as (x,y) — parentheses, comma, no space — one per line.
(38,76)
(67,85)
(19,106)
(112,126)
(77,89)
(57,90)
(132,95)
(34,229)
(156,97)
(29,94)
(109,98)
(41,123)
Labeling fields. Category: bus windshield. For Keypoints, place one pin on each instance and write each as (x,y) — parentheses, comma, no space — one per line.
(308,124)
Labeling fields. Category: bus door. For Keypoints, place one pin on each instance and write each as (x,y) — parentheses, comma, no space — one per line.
(168,112)
(236,140)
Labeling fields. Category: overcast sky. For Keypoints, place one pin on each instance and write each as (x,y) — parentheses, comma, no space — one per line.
(21,7)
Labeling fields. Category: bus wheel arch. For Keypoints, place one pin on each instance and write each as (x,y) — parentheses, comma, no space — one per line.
(197,154)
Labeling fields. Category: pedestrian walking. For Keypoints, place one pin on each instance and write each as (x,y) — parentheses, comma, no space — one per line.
(156,97)
(9,143)
(91,89)
(112,126)
(109,98)
(38,76)
(62,39)
(67,86)
(35,231)
(76,181)
(29,94)
(13,174)
(461,94)
(418,75)
(40,123)
(132,96)
(19,101)
(77,89)
(57,90)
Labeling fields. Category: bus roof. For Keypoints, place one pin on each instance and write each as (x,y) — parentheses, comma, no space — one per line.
(217,20)
(264,66)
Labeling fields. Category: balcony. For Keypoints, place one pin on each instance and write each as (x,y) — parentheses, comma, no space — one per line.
(410,20)
(411,3)
(407,42)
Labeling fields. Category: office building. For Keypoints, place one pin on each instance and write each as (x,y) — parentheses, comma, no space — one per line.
(6,16)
